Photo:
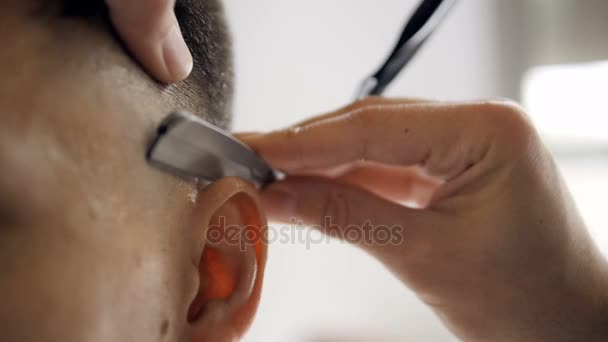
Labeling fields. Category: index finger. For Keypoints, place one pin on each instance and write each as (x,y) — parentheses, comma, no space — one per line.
(151,32)
(444,138)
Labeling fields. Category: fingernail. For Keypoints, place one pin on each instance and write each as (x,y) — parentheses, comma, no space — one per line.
(279,204)
(178,59)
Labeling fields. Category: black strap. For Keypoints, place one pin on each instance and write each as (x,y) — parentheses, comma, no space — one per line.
(418,29)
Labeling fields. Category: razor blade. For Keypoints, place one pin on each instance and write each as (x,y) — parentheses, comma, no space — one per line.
(196,150)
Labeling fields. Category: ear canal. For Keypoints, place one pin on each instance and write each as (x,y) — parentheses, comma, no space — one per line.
(231,266)
(217,280)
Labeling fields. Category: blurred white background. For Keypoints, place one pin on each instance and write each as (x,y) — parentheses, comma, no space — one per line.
(299,58)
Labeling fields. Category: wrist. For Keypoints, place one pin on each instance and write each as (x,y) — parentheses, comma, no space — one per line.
(574,308)
(587,319)
(600,325)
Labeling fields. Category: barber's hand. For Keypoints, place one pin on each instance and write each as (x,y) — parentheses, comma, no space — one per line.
(495,246)
(151,32)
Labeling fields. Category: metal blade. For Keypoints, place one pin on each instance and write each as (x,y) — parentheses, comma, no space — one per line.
(197,150)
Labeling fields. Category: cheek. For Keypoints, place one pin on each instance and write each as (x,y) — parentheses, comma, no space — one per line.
(95,246)
(74,125)
(68,284)
(124,269)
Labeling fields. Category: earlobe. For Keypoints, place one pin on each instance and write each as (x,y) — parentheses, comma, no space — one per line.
(231,267)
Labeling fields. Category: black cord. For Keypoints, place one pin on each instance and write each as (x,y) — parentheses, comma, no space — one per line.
(418,29)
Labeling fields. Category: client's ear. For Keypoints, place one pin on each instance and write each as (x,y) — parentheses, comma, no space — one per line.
(231,268)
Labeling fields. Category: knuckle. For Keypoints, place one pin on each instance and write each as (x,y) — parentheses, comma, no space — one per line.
(505,115)
(508,122)
(366,116)
(363,112)
(336,209)
(362,123)
(366,107)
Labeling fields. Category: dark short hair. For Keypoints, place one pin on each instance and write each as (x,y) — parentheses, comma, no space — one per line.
(205,31)
(209,89)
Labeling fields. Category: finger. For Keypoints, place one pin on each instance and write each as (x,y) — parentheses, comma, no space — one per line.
(244,135)
(401,185)
(397,134)
(368,101)
(445,139)
(372,100)
(151,32)
(342,211)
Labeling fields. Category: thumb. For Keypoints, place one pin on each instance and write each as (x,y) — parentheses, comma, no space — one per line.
(349,213)
(151,32)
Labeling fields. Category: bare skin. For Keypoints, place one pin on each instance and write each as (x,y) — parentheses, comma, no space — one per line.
(494,243)
(150,30)
(495,246)
(96,245)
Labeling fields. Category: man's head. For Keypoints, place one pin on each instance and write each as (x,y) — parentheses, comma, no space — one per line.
(94,243)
